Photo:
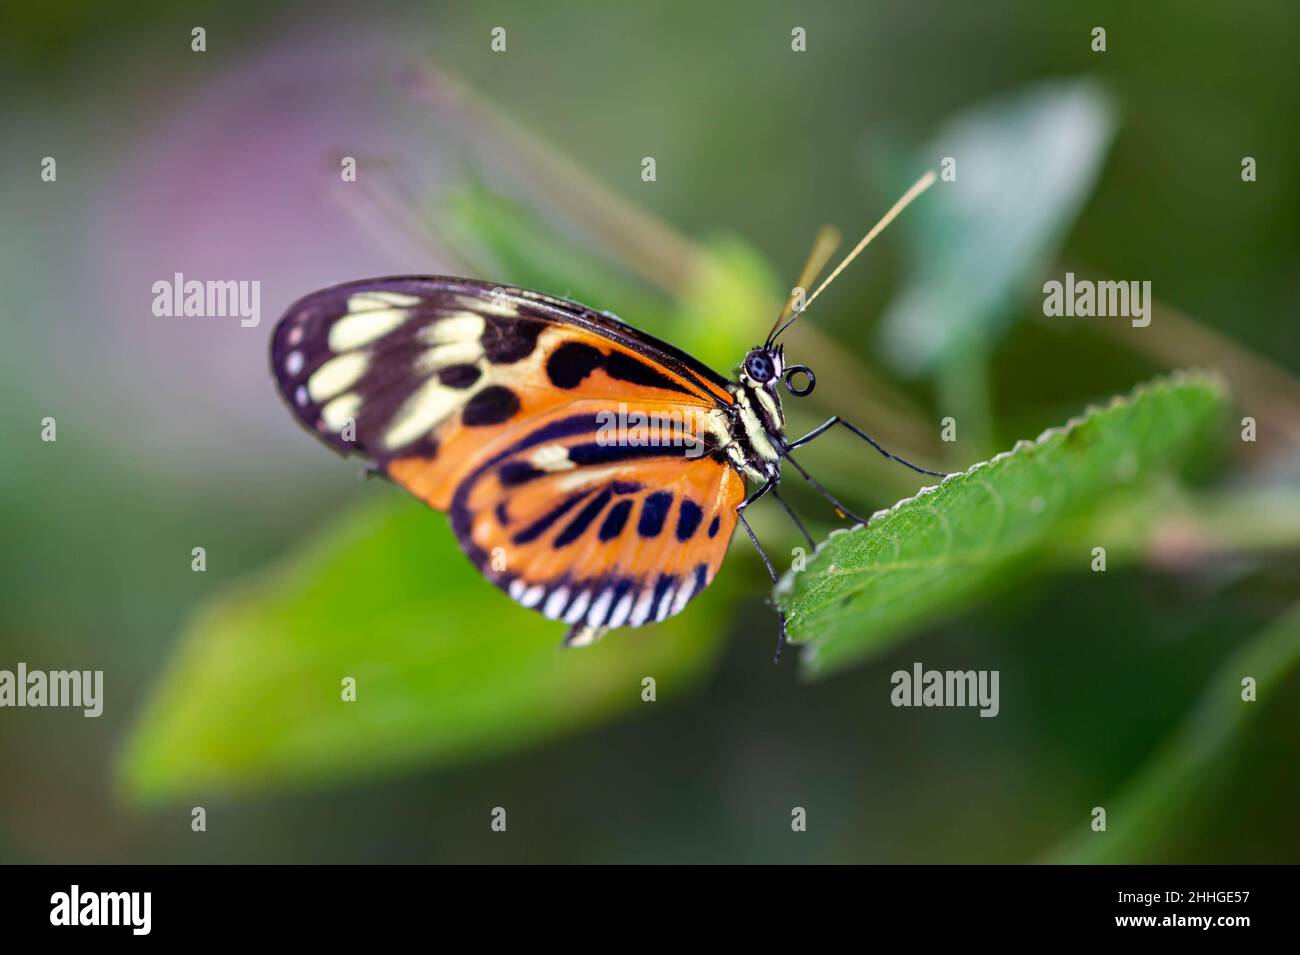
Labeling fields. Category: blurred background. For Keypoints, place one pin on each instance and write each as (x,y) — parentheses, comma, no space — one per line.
(525,165)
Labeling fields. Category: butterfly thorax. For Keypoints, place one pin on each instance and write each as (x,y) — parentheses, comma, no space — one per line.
(757,429)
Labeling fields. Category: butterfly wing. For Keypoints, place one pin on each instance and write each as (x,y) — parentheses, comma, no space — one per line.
(596,533)
(496,404)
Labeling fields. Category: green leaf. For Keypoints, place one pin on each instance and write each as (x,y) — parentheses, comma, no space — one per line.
(867,587)
(447,668)
(1025,165)
(1163,799)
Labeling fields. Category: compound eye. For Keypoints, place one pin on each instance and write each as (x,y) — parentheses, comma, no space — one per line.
(759,367)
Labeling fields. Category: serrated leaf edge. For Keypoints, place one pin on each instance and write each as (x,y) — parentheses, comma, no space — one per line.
(1175,379)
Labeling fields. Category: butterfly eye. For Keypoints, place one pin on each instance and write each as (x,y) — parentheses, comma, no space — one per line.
(808,386)
(759,367)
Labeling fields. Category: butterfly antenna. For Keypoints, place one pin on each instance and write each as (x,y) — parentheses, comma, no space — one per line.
(824,246)
(918,187)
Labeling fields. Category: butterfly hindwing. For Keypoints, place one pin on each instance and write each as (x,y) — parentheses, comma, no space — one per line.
(596,534)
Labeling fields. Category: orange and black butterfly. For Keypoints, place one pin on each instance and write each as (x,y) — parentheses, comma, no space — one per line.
(591,471)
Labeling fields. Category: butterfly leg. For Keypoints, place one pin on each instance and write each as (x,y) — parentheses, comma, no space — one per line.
(844,511)
(740,513)
(794,517)
(820,429)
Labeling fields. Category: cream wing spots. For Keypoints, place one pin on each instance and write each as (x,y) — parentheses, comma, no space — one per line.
(378,368)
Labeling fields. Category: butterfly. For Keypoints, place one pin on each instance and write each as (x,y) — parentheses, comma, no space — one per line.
(593,472)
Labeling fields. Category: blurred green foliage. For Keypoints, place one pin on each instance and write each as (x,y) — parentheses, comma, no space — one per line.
(1187,773)
(443,668)
(1025,164)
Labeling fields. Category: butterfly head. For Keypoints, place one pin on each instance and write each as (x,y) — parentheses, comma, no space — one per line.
(765,364)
